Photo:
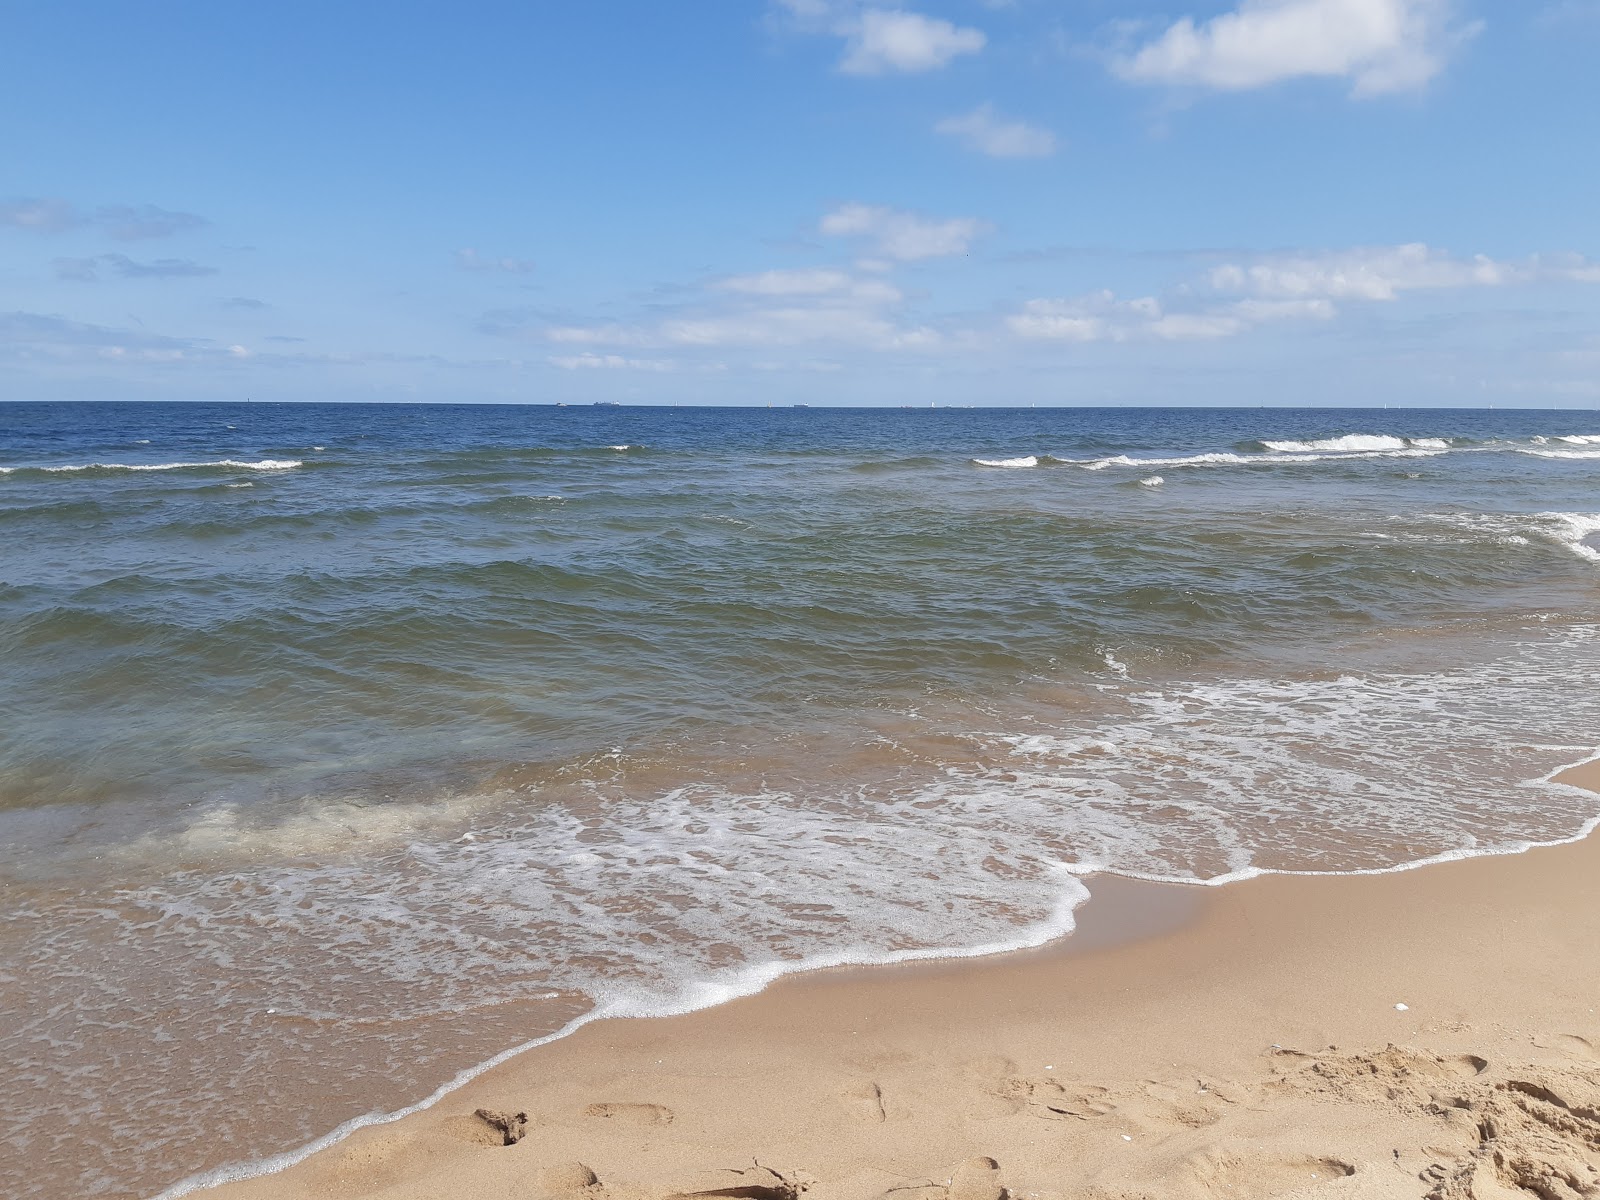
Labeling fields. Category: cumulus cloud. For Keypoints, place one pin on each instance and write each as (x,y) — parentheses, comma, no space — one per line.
(125,222)
(471,260)
(1234,298)
(790,307)
(1384,272)
(1103,317)
(1378,45)
(900,235)
(881,41)
(88,270)
(987,132)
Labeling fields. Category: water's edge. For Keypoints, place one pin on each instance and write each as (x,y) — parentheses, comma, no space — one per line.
(1059,925)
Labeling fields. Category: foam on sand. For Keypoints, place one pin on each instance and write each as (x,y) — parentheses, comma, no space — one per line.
(1203,783)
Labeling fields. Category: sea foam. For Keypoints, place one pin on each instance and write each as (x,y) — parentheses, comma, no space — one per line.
(1029,460)
(261,464)
(1202,783)
(1353,441)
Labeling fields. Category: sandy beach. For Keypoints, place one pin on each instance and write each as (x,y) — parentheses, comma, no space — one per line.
(1430,1033)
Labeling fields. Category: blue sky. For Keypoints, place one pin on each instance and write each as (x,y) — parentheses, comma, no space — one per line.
(819,201)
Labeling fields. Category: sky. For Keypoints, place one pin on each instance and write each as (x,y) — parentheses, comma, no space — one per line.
(991,202)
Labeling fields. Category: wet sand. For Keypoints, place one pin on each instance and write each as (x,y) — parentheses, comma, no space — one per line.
(1431,1033)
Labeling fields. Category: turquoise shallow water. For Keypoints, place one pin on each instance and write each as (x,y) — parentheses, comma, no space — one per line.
(344,747)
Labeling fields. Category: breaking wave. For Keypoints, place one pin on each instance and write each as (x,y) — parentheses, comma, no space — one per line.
(234,464)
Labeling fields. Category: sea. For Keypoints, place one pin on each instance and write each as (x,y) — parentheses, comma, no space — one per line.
(345,749)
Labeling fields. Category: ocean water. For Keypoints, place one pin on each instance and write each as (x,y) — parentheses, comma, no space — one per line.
(343,749)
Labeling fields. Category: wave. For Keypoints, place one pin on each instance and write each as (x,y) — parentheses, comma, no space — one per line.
(1229,458)
(1030,460)
(1352,441)
(1573,531)
(235,464)
(1202,784)
(1337,449)
(1576,531)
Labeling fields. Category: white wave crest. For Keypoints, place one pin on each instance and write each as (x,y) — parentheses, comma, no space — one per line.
(1352,441)
(1573,531)
(1152,481)
(1225,457)
(1576,531)
(261,464)
(1028,461)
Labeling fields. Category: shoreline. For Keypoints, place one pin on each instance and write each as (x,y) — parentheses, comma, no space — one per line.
(1156,924)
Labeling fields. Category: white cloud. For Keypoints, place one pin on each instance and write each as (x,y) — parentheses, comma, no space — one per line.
(600,335)
(902,236)
(984,130)
(1096,317)
(796,325)
(1296,287)
(609,362)
(1257,312)
(1384,272)
(882,40)
(1101,317)
(1379,45)
(125,222)
(812,282)
(772,308)
(471,260)
(784,325)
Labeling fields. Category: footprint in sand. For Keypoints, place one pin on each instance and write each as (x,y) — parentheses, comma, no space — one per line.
(1190,1102)
(974,1179)
(1055,1101)
(755,1183)
(1259,1176)
(632,1114)
(1569,1044)
(568,1181)
(864,1102)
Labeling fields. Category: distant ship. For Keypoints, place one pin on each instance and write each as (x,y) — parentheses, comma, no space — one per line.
(606,404)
